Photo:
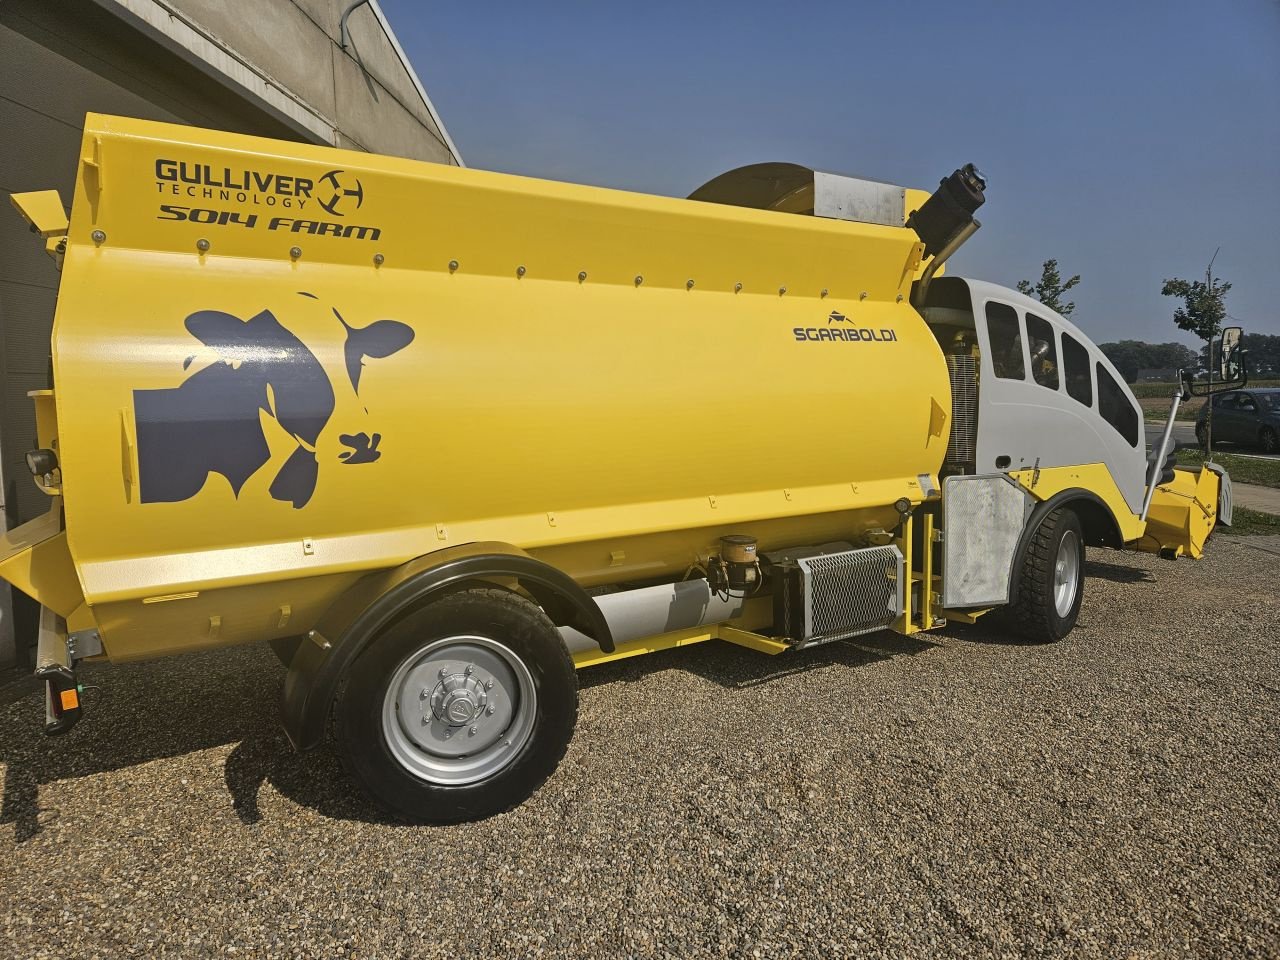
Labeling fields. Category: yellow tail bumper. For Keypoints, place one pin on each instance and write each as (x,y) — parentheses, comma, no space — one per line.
(1183,513)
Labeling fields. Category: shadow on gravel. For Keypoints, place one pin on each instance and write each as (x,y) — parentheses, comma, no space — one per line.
(1117,573)
(737,668)
(139,713)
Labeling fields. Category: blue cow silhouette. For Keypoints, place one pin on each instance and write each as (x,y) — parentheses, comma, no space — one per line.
(210,424)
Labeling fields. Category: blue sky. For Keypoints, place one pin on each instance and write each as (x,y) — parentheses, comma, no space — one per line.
(1126,139)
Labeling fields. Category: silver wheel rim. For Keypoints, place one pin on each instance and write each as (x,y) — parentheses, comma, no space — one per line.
(458,710)
(1066,573)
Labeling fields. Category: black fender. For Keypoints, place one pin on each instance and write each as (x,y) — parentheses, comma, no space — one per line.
(1097,520)
(368,607)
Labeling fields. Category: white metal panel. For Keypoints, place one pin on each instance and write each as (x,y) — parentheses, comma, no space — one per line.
(983,519)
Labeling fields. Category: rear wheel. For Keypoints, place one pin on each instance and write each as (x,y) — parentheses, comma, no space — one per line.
(1268,441)
(460,710)
(1051,581)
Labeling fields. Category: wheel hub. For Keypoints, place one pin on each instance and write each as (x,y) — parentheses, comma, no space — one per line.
(1066,574)
(458,699)
(459,709)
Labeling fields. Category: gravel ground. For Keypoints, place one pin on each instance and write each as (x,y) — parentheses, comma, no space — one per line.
(1113,795)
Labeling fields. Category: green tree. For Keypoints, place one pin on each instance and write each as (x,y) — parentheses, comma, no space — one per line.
(1130,356)
(1050,289)
(1204,307)
(1204,304)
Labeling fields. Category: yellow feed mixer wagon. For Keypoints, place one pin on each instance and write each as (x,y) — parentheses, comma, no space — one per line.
(444,437)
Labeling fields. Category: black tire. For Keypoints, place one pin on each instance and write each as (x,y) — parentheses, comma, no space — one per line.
(1034,611)
(495,614)
(1268,441)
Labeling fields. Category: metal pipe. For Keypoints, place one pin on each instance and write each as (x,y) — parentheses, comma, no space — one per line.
(954,244)
(650,611)
(1157,462)
(343,32)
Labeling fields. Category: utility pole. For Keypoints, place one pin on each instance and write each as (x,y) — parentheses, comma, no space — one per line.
(1208,416)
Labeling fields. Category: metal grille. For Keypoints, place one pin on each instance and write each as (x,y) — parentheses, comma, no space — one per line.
(962,447)
(850,593)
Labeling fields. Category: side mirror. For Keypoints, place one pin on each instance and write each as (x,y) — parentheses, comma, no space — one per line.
(1231,371)
(1230,355)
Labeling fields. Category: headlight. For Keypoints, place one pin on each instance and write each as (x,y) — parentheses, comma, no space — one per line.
(41,462)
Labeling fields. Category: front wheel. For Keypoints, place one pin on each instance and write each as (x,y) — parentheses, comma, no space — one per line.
(1051,581)
(460,710)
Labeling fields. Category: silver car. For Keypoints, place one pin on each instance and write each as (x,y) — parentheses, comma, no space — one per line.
(1248,417)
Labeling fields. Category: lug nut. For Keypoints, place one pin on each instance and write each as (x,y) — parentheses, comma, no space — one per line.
(471,667)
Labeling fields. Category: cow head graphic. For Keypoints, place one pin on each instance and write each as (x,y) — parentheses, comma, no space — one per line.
(252,370)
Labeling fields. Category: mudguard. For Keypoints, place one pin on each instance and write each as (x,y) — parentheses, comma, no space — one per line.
(357,617)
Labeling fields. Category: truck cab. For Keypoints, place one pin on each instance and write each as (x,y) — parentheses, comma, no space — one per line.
(1031,390)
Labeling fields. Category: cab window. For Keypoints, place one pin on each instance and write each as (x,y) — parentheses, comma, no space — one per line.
(1246,404)
(1005,334)
(1075,368)
(1044,351)
(1115,407)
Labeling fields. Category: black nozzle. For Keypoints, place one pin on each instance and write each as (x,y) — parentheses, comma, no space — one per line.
(950,209)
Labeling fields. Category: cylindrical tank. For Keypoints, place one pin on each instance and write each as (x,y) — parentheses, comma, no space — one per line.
(279,367)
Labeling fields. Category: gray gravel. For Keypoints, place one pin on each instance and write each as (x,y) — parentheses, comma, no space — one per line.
(1114,795)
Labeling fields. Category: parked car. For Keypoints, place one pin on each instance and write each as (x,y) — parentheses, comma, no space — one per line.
(1250,417)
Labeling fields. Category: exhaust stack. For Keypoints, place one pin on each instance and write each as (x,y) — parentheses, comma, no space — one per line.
(945,221)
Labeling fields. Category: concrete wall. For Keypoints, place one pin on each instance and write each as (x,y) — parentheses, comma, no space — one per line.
(365,91)
(271,68)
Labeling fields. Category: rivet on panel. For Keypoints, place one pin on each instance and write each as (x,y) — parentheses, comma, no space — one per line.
(639,279)
(688,284)
(782,291)
(520,271)
(379,259)
(441,533)
(99,236)
(863,295)
(582,276)
(737,287)
(824,292)
(900,298)
(295,252)
(202,245)
(453,266)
